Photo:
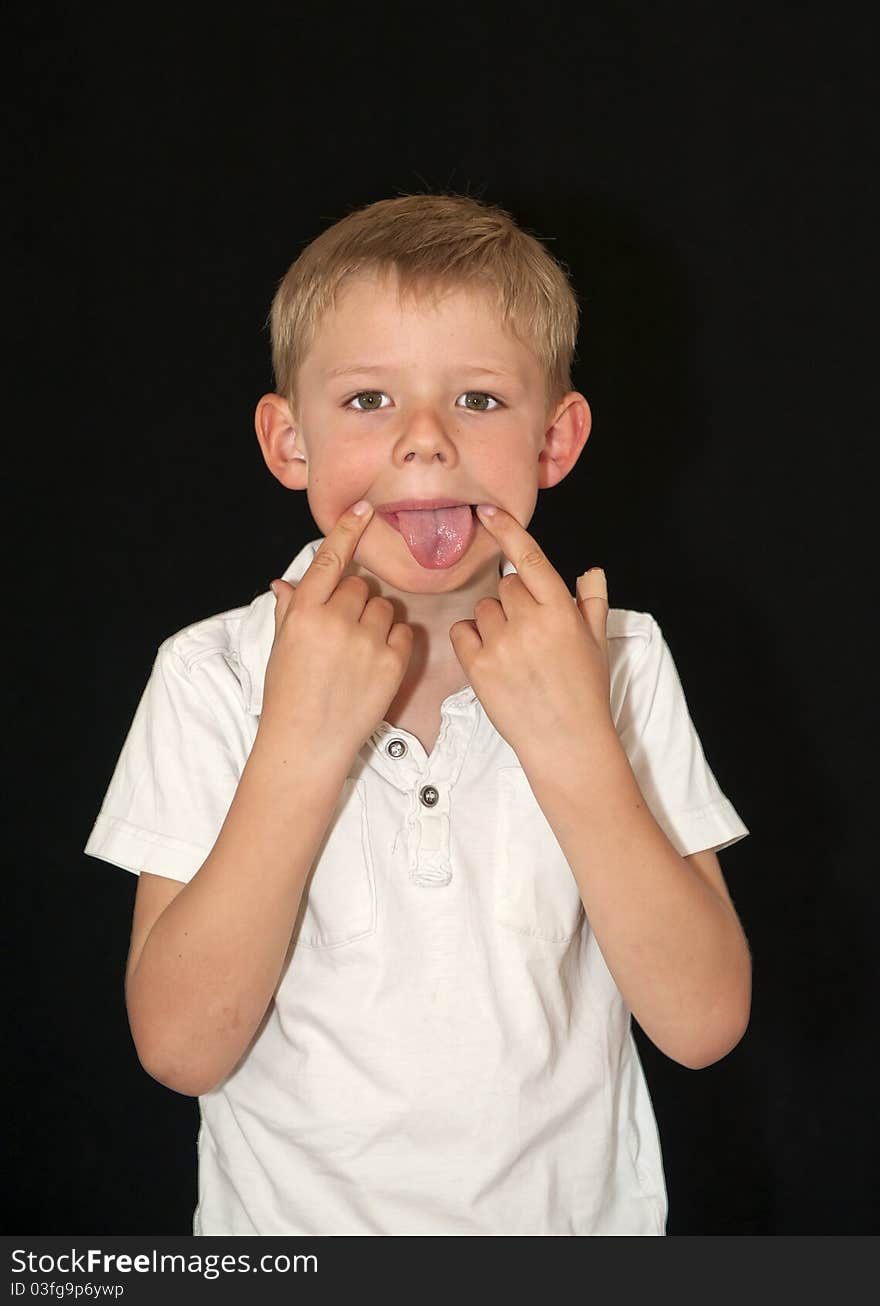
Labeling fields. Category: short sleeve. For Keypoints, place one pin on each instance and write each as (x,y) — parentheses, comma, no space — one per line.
(666,755)
(174,780)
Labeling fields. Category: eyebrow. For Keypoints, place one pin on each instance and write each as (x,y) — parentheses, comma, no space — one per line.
(379,367)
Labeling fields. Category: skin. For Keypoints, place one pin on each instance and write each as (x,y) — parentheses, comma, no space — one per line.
(425,441)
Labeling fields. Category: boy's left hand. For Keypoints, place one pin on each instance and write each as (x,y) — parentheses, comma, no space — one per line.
(537,661)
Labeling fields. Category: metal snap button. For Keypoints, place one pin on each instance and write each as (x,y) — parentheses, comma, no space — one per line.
(429,796)
(395,748)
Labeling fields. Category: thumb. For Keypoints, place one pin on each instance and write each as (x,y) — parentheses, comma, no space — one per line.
(592,601)
(283,592)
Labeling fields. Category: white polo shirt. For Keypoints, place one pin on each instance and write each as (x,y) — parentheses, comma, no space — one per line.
(447,1052)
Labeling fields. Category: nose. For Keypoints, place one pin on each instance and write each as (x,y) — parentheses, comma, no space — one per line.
(425,438)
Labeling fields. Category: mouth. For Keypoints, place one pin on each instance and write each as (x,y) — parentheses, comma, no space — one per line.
(437,532)
(420,505)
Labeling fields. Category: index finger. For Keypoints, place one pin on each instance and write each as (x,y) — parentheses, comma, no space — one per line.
(533,567)
(334,554)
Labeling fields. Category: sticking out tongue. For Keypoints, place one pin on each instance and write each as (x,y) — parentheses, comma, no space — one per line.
(436,537)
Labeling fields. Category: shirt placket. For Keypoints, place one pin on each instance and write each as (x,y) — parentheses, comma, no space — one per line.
(428,783)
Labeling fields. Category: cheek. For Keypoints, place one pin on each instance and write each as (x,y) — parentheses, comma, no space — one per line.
(514,475)
(511,466)
(335,482)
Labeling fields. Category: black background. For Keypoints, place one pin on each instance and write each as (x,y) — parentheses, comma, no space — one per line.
(704,175)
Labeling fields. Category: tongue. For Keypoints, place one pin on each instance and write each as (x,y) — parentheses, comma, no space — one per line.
(437,537)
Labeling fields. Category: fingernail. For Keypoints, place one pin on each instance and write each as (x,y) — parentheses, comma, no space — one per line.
(273,589)
(362,507)
(486,509)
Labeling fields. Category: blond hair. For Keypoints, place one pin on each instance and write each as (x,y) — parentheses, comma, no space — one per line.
(433,242)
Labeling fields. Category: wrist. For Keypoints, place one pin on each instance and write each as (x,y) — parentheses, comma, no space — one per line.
(580,745)
(301,755)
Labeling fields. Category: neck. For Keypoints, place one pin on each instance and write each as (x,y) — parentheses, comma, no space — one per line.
(431,615)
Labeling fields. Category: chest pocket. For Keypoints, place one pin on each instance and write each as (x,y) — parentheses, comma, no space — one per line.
(340,895)
(535,891)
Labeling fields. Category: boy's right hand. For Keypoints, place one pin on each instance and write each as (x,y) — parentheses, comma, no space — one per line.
(337,660)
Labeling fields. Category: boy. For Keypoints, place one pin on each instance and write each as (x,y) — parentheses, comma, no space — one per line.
(417,832)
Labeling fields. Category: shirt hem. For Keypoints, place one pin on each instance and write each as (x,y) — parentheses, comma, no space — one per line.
(716,825)
(136,849)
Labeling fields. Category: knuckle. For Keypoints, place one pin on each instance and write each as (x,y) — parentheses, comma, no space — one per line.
(532,558)
(356,583)
(326,558)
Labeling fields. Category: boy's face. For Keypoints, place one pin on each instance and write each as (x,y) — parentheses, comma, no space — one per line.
(418,400)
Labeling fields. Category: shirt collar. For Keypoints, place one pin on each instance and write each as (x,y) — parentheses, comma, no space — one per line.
(256,631)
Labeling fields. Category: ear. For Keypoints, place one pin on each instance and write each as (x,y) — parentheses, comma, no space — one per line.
(564,438)
(280,442)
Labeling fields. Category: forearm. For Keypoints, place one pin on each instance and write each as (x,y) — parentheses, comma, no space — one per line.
(675,948)
(212,961)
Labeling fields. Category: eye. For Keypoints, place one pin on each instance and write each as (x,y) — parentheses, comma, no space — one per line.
(368,395)
(484,404)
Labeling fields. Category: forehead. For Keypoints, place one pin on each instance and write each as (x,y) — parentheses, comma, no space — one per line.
(374,318)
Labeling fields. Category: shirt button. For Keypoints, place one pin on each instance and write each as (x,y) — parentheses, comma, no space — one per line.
(429,796)
(396,748)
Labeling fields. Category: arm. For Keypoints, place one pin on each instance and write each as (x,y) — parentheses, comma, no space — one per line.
(665,924)
(206,958)
(669,935)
